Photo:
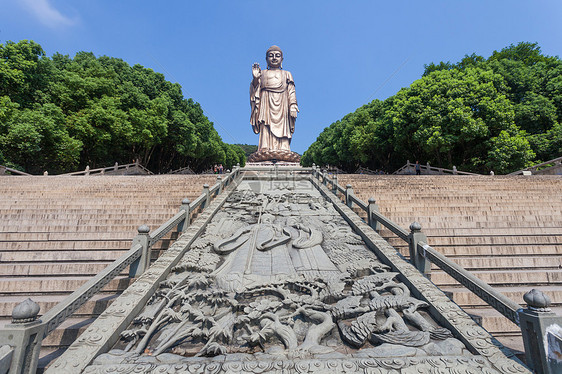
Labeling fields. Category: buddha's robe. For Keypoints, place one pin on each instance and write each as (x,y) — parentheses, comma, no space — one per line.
(271,99)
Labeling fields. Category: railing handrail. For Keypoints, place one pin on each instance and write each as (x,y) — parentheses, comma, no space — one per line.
(555,161)
(364,170)
(177,171)
(109,168)
(394,227)
(279,168)
(501,303)
(13,171)
(433,168)
(166,227)
(58,314)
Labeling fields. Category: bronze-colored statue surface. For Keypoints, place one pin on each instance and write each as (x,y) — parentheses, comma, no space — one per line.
(274,103)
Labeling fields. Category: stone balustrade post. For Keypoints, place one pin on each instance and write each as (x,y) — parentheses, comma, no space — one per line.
(219,181)
(373,207)
(143,262)
(335,184)
(455,170)
(542,334)
(87,170)
(2,170)
(416,257)
(183,225)
(116,166)
(348,193)
(207,194)
(24,336)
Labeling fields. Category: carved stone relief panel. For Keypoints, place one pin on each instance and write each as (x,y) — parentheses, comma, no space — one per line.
(279,278)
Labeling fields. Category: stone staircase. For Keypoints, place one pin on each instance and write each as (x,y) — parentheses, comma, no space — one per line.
(58,232)
(506,230)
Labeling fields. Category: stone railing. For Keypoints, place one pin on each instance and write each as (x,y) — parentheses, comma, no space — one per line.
(116,169)
(534,321)
(20,341)
(541,168)
(362,170)
(410,168)
(4,170)
(184,170)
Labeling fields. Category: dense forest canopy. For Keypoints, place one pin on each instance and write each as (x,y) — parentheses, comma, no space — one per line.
(502,114)
(60,114)
(248,148)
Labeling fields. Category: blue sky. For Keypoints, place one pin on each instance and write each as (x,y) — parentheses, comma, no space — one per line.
(342,54)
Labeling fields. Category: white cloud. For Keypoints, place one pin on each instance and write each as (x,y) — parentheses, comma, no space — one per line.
(47,13)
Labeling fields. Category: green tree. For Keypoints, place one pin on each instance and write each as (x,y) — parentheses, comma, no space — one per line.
(500,113)
(61,113)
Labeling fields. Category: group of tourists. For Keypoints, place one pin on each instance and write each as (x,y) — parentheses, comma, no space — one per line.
(218,169)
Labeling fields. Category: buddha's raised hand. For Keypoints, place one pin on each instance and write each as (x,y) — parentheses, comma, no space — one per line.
(256,71)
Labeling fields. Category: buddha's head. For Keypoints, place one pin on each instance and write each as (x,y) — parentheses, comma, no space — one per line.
(274,57)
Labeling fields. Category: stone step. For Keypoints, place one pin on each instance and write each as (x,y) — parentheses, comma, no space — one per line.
(89,268)
(63,256)
(466,298)
(489,250)
(57,236)
(76,226)
(38,245)
(505,277)
(437,215)
(471,225)
(507,262)
(60,284)
(93,307)
(496,254)
(61,211)
(25,248)
(426,220)
(501,231)
(467,204)
(488,240)
(493,321)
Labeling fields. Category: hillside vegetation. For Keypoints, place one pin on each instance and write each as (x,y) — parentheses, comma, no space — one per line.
(61,114)
(502,113)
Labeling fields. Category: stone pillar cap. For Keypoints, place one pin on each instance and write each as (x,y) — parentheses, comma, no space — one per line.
(143,229)
(415,226)
(537,300)
(26,311)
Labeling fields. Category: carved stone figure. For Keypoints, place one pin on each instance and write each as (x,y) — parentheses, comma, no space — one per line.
(274,108)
